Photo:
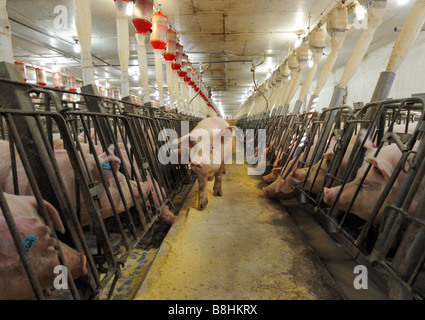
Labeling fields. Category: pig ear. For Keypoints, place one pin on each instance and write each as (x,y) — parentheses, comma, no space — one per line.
(368,145)
(109,162)
(227,132)
(111,157)
(51,211)
(381,166)
(286,185)
(329,155)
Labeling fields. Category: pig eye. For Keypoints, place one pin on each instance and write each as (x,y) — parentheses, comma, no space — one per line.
(365,184)
(379,172)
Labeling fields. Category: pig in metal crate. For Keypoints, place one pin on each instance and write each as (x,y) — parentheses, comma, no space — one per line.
(299,172)
(93,175)
(373,206)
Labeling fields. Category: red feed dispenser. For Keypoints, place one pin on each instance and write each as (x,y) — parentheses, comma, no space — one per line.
(158,41)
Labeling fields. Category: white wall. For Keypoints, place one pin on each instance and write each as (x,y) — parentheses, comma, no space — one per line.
(410,78)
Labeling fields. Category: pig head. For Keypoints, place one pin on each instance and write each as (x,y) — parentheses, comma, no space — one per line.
(43,256)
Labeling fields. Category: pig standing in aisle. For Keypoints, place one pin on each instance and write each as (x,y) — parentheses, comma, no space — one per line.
(43,257)
(211,130)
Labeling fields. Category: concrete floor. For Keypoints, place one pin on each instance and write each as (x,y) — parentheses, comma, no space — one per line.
(241,246)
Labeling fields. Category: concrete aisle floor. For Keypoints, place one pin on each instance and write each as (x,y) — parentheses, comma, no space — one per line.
(241,246)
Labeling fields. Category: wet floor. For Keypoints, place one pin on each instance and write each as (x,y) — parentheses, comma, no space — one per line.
(241,246)
(334,257)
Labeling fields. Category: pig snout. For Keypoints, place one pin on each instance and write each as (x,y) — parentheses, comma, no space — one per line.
(329,195)
(76,261)
(166,216)
(267,192)
(196,166)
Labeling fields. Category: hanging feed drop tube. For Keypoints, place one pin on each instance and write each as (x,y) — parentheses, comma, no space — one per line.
(123,44)
(375,14)
(317,44)
(57,80)
(159,41)
(337,28)
(40,74)
(184,89)
(293,67)
(169,56)
(23,69)
(83,24)
(302,56)
(142,15)
(176,66)
(285,72)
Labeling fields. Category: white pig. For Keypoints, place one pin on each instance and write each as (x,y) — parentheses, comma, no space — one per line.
(202,160)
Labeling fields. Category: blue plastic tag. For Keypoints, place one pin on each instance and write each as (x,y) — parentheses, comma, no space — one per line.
(106,165)
(29,243)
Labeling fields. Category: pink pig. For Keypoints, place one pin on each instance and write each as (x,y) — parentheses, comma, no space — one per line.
(43,257)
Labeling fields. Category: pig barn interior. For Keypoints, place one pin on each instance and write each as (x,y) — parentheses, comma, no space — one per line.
(323,196)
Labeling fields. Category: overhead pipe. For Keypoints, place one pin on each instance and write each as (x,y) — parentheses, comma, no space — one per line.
(83,24)
(143,11)
(159,41)
(6,52)
(374,20)
(123,44)
(317,45)
(337,28)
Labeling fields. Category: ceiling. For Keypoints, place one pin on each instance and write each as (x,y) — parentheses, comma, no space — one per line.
(223,38)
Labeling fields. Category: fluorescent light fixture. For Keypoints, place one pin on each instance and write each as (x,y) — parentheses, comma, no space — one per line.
(298,42)
(310,63)
(360,12)
(77,47)
(129,10)
(220,107)
(402,2)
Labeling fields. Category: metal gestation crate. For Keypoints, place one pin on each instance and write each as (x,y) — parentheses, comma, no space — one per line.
(33,120)
(376,246)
